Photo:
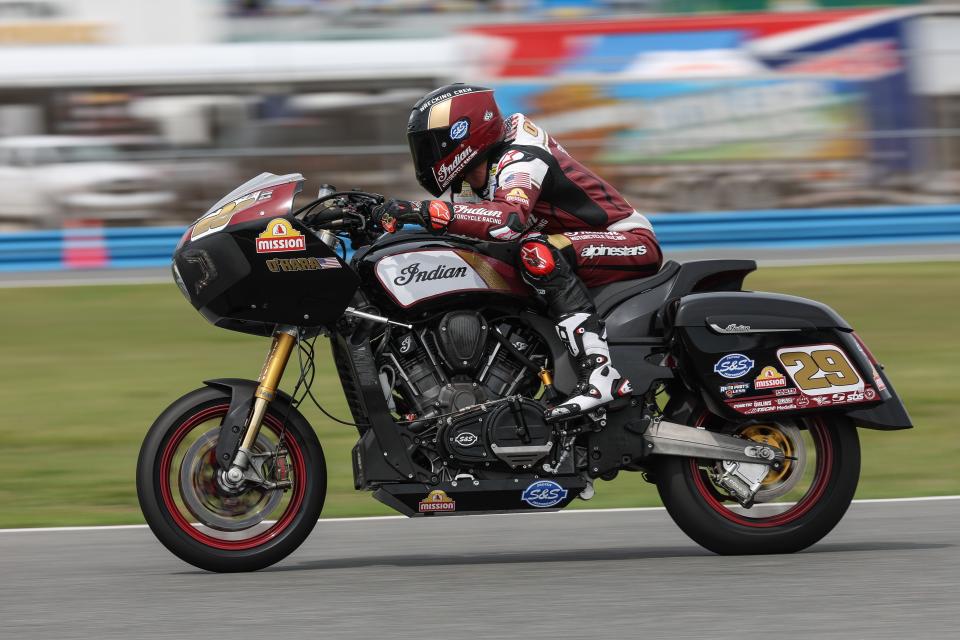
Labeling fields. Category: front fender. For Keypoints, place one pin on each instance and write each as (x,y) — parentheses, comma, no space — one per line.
(241,400)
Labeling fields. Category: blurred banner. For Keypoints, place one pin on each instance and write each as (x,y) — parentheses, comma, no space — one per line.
(152,110)
(663,105)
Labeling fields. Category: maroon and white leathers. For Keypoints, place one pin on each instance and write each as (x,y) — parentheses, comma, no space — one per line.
(575,230)
(536,187)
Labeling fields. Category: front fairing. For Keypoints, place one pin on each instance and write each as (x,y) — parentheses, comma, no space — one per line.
(249,264)
(265,197)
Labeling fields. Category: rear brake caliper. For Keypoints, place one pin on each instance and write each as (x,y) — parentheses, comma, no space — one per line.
(741,479)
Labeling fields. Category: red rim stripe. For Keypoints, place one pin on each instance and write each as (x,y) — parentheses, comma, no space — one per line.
(821,478)
(293,507)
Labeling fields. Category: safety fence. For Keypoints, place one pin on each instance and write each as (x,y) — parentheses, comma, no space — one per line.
(143,247)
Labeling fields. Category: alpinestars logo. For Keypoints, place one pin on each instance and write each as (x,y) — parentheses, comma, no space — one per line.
(595,251)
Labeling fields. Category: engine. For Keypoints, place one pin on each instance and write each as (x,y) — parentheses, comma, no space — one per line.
(465,384)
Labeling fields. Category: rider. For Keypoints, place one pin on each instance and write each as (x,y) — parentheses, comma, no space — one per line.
(510,181)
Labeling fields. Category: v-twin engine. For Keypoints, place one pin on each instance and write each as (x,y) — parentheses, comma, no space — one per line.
(466,385)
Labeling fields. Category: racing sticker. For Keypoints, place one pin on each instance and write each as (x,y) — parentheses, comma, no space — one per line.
(279,265)
(769,378)
(460,129)
(217,220)
(754,406)
(734,389)
(517,196)
(437,500)
(733,366)
(820,370)
(280,236)
(543,494)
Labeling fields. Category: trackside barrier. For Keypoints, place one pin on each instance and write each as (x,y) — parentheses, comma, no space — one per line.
(794,228)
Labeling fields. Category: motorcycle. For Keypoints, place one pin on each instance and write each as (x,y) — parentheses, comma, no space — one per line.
(743,409)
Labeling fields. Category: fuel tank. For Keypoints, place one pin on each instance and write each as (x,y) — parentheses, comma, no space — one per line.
(415,271)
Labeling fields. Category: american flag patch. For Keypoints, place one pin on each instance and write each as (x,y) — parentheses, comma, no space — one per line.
(516,180)
(329,263)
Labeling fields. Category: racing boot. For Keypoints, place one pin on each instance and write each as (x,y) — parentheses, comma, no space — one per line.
(599,383)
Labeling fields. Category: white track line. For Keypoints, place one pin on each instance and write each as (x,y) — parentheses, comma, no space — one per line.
(120,527)
(83,282)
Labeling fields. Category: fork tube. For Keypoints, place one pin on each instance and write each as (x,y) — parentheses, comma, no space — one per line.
(283,340)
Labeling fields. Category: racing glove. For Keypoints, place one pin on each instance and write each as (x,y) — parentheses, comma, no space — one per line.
(434,215)
(387,214)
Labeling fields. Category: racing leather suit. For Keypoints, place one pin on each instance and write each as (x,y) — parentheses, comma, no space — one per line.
(574,230)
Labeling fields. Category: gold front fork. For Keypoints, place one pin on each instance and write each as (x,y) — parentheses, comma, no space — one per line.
(284,338)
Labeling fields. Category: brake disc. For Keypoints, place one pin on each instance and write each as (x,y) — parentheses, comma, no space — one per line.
(210,501)
(789,439)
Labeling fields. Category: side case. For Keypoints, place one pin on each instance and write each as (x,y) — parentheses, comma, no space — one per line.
(749,354)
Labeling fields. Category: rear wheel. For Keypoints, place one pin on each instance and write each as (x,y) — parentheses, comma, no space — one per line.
(200,517)
(795,507)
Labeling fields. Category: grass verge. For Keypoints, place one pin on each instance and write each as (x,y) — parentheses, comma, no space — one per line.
(88,368)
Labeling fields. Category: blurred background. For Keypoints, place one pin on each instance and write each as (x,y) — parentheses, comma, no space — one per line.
(793,131)
(144,113)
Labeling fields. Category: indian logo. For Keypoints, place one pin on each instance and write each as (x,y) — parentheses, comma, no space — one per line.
(413,273)
(437,500)
(280,236)
(446,172)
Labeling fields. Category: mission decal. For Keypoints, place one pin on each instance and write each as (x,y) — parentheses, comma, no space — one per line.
(280,236)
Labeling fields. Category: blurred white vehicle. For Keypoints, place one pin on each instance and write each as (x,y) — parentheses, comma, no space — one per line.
(49,179)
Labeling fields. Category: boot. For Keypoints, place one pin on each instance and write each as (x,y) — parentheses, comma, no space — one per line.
(599,383)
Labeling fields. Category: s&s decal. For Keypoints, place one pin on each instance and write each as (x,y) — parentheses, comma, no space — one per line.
(543,494)
(459,130)
(733,365)
(466,439)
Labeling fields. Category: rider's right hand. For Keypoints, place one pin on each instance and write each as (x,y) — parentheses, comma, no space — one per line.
(389,213)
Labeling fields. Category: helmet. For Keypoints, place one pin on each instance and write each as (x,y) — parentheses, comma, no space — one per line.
(450,130)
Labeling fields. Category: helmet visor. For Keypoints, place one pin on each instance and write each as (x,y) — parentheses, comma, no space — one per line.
(428,149)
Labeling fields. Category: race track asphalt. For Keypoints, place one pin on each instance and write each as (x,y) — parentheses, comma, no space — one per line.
(889,570)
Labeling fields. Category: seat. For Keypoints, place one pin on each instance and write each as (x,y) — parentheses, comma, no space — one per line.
(607,296)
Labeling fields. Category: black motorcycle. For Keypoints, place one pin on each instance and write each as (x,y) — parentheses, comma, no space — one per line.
(743,409)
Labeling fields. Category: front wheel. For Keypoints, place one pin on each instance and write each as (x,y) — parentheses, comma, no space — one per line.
(795,506)
(204,520)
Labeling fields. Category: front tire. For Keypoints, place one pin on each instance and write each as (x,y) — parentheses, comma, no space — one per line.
(789,523)
(204,524)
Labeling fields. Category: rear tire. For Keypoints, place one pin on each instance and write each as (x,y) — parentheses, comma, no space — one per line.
(250,530)
(704,513)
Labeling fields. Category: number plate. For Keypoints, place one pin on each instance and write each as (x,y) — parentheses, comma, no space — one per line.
(820,369)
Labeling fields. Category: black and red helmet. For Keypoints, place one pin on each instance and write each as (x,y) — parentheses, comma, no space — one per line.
(450,130)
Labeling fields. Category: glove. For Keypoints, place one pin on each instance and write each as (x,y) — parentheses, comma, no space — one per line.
(387,213)
(436,215)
